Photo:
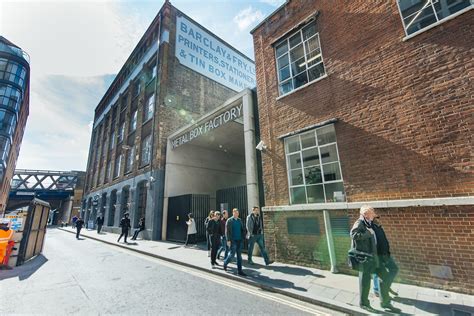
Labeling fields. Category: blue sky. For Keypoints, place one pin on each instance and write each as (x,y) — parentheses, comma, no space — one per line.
(77,47)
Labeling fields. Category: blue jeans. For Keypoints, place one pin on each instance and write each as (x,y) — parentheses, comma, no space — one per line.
(376,283)
(235,247)
(223,248)
(259,240)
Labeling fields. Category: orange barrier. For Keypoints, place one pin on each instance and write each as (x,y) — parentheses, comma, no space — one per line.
(6,244)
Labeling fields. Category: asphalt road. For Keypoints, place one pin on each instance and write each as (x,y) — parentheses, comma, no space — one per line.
(89,278)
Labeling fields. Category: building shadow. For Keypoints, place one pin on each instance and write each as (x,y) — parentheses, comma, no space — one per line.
(26,270)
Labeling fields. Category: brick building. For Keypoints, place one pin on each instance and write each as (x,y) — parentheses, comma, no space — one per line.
(14,110)
(178,74)
(369,102)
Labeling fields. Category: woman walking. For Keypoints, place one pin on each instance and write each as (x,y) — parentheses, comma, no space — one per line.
(191,236)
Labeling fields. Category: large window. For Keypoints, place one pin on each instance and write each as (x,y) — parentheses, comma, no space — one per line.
(7,122)
(133,121)
(12,71)
(148,108)
(121,132)
(146,151)
(108,174)
(118,163)
(4,149)
(419,14)
(299,59)
(10,97)
(314,171)
(130,159)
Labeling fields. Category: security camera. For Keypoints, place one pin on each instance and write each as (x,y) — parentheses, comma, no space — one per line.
(261,146)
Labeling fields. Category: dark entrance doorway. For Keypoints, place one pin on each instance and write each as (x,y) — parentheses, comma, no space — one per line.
(178,209)
(113,202)
(230,198)
(140,211)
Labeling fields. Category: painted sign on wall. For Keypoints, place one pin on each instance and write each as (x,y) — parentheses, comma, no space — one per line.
(208,125)
(207,55)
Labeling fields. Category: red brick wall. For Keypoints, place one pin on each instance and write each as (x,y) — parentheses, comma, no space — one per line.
(419,237)
(404,107)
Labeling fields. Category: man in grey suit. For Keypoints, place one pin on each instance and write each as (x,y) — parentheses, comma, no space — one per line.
(255,235)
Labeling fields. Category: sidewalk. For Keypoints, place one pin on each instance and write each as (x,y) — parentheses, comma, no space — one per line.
(336,291)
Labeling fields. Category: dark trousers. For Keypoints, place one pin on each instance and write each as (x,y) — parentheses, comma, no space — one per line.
(223,247)
(78,231)
(190,239)
(99,228)
(124,234)
(215,243)
(365,275)
(208,241)
(235,248)
(386,272)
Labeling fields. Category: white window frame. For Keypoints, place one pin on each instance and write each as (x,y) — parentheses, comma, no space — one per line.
(130,158)
(321,165)
(292,76)
(146,152)
(133,121)
(149,105)
(438,20)
(118,163)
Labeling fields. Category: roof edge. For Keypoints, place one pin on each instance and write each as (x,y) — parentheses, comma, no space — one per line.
(268,17)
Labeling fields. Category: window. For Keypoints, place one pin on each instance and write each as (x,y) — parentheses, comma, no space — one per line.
(121,132)
(314,171)
(12,72)
(146,150)
(7,122)
(112,138)
(4,149)
(130,159)
(148,108)
(419,14)
(133,121)
(136,88)
(299,59)
(109,171)
(154,71)
(118,162)
(10,97)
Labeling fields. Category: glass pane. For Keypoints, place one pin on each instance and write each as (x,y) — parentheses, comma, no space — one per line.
(296,177)
(281,48)
(310,157)
(417,14)
(308,140)
(309,30)
(332,172)
(283,61)
(448,7)
(300,80)
(297,53)
(295,161)
(313,175)
(328,153)
(295,40)
(316,71)
(298,66)
(315,194)
(335,192)
(298,195)
(312,44)
(284,73)
(326,135)
(286,87)
(292,144)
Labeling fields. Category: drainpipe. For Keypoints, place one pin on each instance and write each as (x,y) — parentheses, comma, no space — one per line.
(332,252)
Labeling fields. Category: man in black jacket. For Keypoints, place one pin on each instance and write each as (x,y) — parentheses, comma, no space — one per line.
(215,232)
(99,221)
(365,239)
(125,224)
(79,224)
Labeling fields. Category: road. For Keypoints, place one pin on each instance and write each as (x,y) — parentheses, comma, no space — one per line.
(89,278)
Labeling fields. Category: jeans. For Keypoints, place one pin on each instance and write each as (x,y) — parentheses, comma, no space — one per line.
(235,247)
(223,247)
(376,283)
(386,272)
(259,240)
(135,233)
(124,234)
(191,239)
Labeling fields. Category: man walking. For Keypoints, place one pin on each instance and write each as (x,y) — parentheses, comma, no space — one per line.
(365,240)
(99,221)
(79,225)
(235,232)
(254,235)
(141,226)
(223,247)
(125,224)
(215,232)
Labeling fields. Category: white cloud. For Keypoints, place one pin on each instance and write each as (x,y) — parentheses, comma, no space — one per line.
(248,17)
(274,3)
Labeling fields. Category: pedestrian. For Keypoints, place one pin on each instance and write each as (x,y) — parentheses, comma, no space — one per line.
(192,231)
(223,246)
(255,235)
(74,220)
(125,224)
(141,226)
(99,221)
(208,240)
(368,238)
(235,233)
(79,225)
(215,232)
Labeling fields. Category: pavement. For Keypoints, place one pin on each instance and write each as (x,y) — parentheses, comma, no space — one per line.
(86,277)
(335,291)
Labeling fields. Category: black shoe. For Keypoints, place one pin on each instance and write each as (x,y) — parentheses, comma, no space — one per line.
(394,293)
(225,267)
(216,263)
(241,273)
(251,262)
(390,308)
(367,307)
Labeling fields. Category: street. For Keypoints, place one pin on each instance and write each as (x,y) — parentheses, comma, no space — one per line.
(89,277)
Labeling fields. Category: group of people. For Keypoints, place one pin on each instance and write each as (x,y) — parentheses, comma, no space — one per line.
(224,234)
(125,226)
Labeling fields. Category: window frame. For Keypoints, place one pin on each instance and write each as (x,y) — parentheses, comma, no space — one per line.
(147,115)
(320,165)
(145,163)
(305,56)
